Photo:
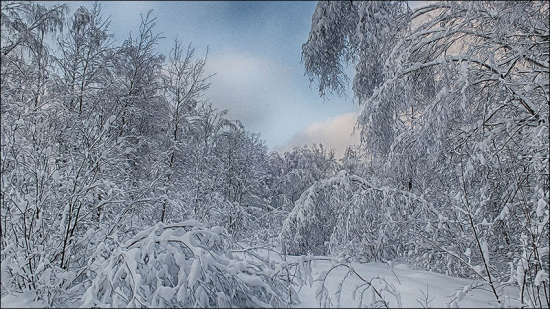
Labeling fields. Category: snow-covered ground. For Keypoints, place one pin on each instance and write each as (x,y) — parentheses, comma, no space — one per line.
(413,288)
(417,288)
(20,301)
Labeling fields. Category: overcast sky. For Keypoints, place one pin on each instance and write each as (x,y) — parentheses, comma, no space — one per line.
(255,51)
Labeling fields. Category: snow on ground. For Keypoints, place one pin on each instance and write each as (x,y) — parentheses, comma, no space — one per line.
(415,288)
(411,285)
(19,300)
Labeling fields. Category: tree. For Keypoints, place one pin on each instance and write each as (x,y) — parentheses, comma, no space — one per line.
(301,167)
(459,116)
(348,216)
(351,32)
(61,165)
(28,149)
(86,59)
(26,27)
(243,184)
(184,85)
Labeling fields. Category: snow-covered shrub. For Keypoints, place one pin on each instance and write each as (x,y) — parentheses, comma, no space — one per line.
(267,228)
(183,265)
(347,215)
(310,223)
(39,274)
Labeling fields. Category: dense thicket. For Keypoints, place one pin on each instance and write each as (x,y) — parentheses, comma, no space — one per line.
(100,140)
(123,185)
(456,113)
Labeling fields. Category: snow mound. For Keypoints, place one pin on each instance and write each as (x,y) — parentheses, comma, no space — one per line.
(184,265)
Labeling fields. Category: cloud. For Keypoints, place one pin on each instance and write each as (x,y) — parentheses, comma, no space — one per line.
(257,91)
(240,79)
(245,85)
(335,132)
(267,96)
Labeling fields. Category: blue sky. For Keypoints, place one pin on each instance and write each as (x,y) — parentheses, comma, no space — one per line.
(255,51)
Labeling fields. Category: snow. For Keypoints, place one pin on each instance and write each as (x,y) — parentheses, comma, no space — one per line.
(478,269)
(541,206)
(541,276)
(400,285)
(20,301)
(194,273)
(485,250)
(411,285)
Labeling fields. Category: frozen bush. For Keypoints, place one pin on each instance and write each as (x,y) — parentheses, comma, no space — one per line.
(183,265)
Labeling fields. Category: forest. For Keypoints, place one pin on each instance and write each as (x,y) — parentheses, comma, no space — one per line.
(122,185)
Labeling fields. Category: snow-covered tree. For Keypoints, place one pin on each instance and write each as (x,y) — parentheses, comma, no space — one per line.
(345,32)
(348,216)
(184,85)
(298,169)
(456,110)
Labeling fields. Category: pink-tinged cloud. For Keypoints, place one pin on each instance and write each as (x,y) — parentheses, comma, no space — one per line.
(337,132)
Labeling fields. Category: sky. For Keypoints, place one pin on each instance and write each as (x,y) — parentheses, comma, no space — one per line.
(254,48)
